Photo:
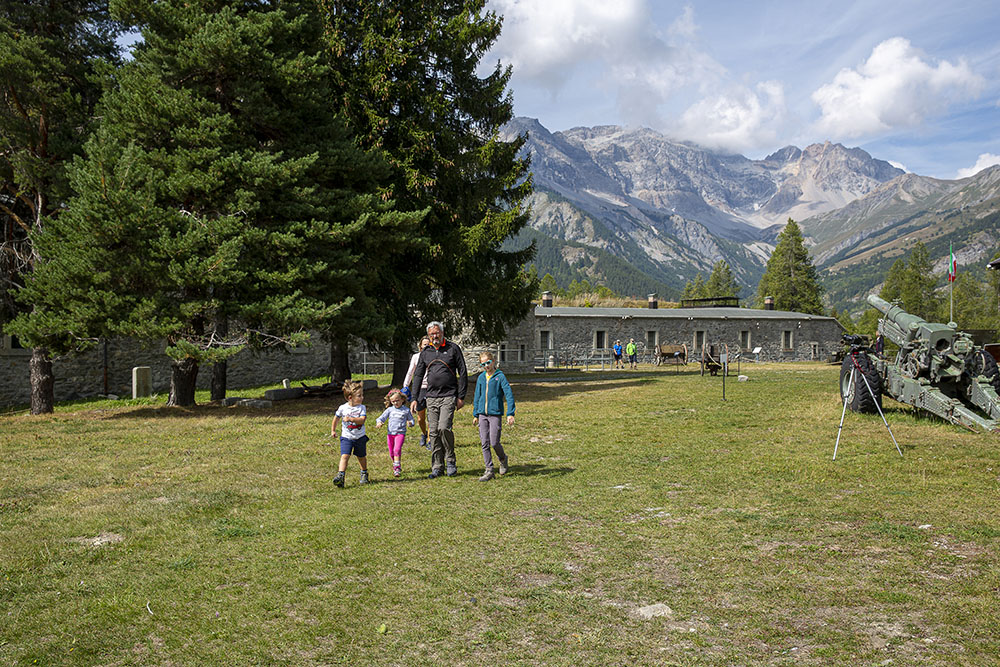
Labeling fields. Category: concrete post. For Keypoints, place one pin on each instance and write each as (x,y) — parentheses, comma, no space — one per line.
(142,382)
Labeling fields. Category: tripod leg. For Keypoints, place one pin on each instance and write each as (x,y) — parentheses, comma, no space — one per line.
(850,383)
(882,414)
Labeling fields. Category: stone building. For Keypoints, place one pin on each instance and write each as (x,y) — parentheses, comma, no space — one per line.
(554,334)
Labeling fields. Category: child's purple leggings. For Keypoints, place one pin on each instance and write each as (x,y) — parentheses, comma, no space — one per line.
(395,441)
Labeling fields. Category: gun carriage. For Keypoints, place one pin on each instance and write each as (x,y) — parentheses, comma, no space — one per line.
(937,368)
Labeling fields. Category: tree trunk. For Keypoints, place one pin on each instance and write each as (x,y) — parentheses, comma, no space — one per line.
(219,370)
(400,364)
(183,375)
(340,367)
(42,381)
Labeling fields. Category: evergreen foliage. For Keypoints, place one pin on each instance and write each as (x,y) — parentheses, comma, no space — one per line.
(790,276)
(917,293)
(217,193)
(54,57)
(408,80)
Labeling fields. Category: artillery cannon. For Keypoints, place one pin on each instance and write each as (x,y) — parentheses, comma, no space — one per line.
(937,368)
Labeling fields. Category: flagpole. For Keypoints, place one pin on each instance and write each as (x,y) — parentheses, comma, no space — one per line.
(952,275)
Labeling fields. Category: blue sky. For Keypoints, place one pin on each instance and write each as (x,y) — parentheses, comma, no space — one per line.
(916,83)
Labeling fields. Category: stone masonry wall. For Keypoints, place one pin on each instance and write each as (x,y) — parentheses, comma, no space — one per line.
(82,375)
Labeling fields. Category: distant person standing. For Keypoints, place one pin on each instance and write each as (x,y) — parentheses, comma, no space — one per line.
(443,365)
(879,344)
(422,415)
(617,349)
(630,351)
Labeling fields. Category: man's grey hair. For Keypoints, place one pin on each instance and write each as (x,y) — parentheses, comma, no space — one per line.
(431,325)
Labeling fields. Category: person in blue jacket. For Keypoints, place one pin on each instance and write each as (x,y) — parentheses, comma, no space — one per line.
(492,388)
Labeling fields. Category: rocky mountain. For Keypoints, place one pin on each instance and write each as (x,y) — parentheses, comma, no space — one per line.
(671,209)
(854,246)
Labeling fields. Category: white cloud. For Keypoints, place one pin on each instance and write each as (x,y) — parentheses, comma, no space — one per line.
(899,165)
(895,88)
(652,75)
(985,160)
(545,39)
(739,120)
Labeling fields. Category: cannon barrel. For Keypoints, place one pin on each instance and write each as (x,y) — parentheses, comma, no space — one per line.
(901,326)
(900,317)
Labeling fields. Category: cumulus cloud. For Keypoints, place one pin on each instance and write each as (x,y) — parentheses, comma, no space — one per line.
(897,87)
(899,165)
(985,160)
(652,75)
(544,40)
(739,120)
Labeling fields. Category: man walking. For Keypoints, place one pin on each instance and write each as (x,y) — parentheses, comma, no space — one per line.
(447,381)
(630,351)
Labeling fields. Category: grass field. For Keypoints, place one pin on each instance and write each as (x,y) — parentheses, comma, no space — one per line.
(644,521)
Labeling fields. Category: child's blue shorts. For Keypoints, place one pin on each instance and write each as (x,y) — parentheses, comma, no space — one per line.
(357,447)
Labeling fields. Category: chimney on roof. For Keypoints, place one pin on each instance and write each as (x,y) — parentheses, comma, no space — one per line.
(546,299)
(768,303)
(651,301)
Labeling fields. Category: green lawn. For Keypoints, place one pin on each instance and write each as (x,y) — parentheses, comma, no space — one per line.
(139,534)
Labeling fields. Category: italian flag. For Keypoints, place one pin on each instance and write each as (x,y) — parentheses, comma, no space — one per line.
(952,265)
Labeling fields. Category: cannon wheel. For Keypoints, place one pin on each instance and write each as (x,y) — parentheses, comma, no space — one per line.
(860,399)
(981,362)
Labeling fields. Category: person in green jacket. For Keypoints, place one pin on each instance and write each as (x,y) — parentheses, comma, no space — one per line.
(630,351)
(492,388)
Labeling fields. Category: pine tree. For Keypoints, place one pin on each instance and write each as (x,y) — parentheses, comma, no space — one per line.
(973,304)
(52,62)
(790,276)
(917,292)
(410,85)
(217,196)
(721,283)
(694,289)
(892,288)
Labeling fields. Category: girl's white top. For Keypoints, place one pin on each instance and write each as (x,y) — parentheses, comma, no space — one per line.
(409,372)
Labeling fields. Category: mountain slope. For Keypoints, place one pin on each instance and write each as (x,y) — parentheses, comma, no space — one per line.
(855,246)
(672,209)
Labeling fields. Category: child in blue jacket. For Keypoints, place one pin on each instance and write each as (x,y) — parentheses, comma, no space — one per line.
(492,389)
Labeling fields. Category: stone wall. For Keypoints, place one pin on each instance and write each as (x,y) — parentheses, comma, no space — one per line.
(82,375)
(579,336)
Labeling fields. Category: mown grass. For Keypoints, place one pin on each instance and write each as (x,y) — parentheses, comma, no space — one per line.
(147,535)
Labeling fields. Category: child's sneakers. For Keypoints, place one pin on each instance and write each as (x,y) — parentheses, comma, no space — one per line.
(339,479)
(397,469)
(364,477)
(487,476)
(423,441)
(503,465)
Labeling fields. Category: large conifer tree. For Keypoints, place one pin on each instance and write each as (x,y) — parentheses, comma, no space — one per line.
(50,64)
(410,84)
(790,276)
(218,204)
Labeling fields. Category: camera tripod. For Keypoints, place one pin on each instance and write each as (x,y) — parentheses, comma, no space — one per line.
(856,371)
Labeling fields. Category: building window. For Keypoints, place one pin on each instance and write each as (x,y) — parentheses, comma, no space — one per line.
(522,352)
(699,340)
(745,340)
(814,350)
(502,352)
(652,339)
(545,340)
(12,346)
(600,339)
(786,339)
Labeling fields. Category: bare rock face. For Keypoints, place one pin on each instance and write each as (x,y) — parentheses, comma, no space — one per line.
(675,208)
